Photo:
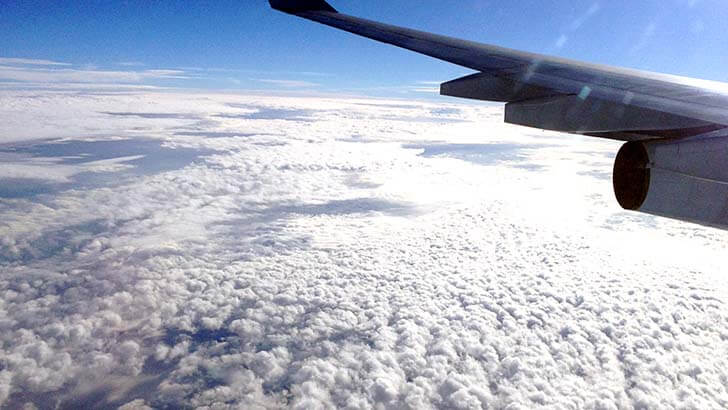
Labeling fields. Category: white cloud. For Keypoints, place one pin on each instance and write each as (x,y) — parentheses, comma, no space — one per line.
(68,75)
(362,256)
(50,170)
(287,83)
(29,61)
(131,64)
(435,90)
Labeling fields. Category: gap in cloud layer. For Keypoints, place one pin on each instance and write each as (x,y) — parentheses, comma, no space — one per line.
(516,155)
(55,166)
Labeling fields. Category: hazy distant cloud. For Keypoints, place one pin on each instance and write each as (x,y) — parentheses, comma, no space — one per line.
(131,64)
(435,90)
(68,75)
(27,61)
(312,73)
(32,72)
(45,168)
(426,87)
(80,87)
(286,83)
(259,72)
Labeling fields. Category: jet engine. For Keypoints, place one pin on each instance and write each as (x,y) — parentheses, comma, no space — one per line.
(685,179)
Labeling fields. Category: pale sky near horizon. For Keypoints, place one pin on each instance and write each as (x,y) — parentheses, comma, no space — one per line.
(247,46)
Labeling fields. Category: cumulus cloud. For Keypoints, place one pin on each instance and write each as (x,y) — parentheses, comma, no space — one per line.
(372,254)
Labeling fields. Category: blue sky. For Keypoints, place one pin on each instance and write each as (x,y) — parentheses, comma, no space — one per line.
(245,45)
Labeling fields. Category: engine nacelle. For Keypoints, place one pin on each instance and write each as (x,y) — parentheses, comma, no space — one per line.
(681,179)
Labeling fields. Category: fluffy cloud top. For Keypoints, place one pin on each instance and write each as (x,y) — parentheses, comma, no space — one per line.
(323,253)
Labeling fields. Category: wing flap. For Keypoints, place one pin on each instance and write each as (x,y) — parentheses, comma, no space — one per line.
(658,96)
(572,113)
(487,87)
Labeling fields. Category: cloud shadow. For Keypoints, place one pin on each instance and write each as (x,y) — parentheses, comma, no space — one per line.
(147,157)
(267,113)
(212,134)
(152,115)
(482,154)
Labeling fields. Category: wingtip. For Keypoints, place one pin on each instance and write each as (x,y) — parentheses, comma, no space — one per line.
(295,6)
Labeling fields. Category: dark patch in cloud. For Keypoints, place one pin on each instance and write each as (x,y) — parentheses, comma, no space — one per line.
(400,106)
(355,181)
(152,115)
(609,155)
(14,188)
(107,395)
(274,114)
(603,175)
(227,134)
(446,111)
(201,336)
(356,138)
(263,226)
(47,400)
(357,206)
(66,240)
(74,152)
(528,167)
(634,219)
(156,158)
(346,207)
(271,144)
(481,154)
(423,119)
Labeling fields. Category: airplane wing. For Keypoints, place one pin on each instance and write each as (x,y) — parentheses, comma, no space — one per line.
(553,93)
(675,161)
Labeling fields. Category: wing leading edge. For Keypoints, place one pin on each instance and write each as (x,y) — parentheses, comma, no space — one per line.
(552,93)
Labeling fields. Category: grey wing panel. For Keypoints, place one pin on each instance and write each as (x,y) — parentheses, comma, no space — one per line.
(702,100)
(468,54)
(577,108)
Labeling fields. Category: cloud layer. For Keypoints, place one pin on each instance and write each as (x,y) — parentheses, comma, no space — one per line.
(331,253)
